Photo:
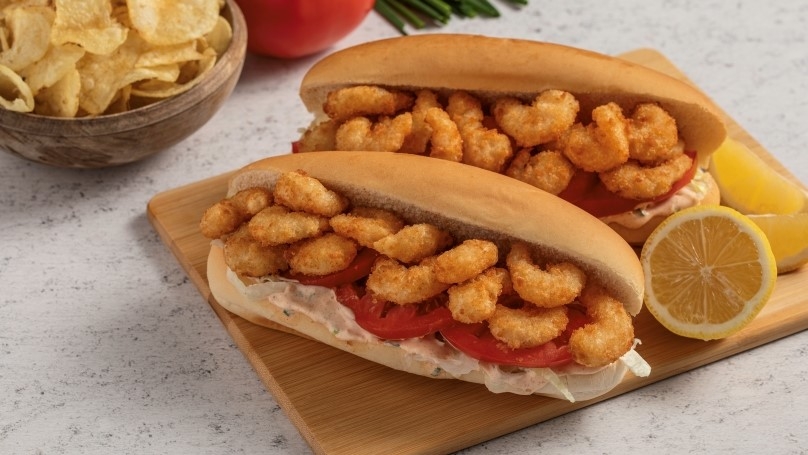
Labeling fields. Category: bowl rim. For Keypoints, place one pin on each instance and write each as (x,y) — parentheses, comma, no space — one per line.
(44,125)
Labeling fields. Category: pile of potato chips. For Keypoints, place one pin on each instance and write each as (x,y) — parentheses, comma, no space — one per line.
(78,58)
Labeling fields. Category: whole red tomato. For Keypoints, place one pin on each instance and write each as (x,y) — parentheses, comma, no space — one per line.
(295,28)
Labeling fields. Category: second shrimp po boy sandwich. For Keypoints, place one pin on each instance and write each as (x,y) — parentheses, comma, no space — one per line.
(622,141)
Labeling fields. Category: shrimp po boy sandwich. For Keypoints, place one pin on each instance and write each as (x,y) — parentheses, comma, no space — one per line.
(430,267)
(622,141)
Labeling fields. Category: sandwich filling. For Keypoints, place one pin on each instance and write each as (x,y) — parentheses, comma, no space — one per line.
(605,160)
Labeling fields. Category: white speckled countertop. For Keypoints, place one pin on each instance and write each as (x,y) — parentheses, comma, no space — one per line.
(106,347)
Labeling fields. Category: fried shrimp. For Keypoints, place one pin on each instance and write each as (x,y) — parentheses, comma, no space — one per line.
(528,326)
(277,225)
(366,225)
(404,285)
(228,214)
(482,147)
(364,100)
(558,285)
(302,193)
(220,219)
(548,170)
(421,132)
(635,181)
(386,135)
(652,135)
(445,141)
(609,336)
(600,145)
(476,299)
(466,260)
(413,243)
(246,256)
(322,136)
(546,119)
(321,255)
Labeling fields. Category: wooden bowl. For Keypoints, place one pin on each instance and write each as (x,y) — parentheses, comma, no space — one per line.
(115,139)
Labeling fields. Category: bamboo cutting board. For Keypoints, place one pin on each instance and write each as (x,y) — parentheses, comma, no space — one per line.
(343,404)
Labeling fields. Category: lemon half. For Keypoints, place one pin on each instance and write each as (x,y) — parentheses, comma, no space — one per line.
(709,270)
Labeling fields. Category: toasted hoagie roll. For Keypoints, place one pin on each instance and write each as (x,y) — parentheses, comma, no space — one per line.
(618,139)
(432,268)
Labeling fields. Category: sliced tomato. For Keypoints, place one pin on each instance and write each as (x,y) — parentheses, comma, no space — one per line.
(358,269)
(587,192)
(391,321)
(477,341)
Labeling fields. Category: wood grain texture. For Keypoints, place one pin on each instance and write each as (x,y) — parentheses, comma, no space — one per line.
(342,404)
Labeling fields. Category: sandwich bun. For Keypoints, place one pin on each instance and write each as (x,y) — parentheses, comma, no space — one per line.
(468,203)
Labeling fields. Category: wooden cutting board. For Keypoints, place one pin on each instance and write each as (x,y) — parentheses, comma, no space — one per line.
(343,404)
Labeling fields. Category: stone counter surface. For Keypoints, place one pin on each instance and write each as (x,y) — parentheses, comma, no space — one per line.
(107,347)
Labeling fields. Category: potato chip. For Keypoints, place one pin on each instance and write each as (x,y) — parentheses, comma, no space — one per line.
(219,38)
(191,73)
(173,53)
(60,99)
(88,23)
(57,62)
(164,22)
(15,95)
(30,31)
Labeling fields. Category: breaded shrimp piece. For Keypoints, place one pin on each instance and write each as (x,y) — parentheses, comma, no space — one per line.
(548,170)
(246,256)
(445,141)
(364,100)
(228,214)
(220,219)
(652,135)
(386,135)
(252,200)
(635,181)
(609,336)
(321,255)
(319,137)
(600,145)
(482,147)
(476,299)
(277,225)
(550,114)
(366,225)
(465,261)
(404,285)
(303,193)
(558,284)
(418,138)
(528,326)
(413,243)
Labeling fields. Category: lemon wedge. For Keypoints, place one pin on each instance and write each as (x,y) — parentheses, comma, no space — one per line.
(709,270)
(788,237)
(749,185)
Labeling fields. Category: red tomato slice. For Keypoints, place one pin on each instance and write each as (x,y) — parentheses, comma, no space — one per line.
(359,268)
(477,341)
(391,321)
(587,192)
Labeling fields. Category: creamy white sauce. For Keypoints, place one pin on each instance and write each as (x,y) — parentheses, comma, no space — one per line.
(321,305)
(690,195)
